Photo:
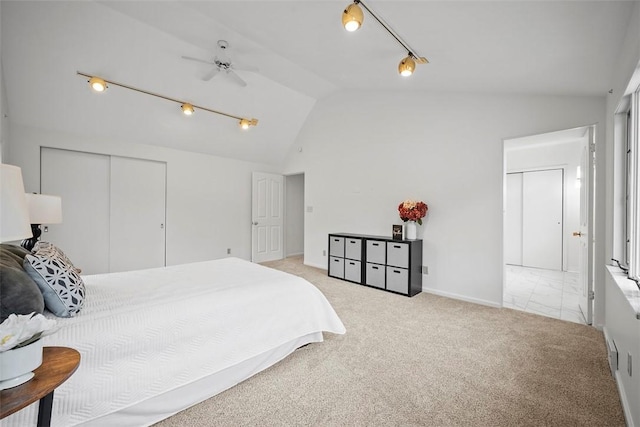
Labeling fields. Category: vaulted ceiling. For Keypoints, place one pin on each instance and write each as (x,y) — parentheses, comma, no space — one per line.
(302,54)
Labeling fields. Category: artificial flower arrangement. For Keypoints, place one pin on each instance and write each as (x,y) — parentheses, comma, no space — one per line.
(412,210)
(19,330)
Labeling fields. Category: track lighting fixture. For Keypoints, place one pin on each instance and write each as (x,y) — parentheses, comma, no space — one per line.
(245,123)
(187,109)
(99,84)
(407,66)
(352,18)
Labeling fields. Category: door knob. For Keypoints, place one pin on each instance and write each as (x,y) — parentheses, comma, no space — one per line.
(577,234)
(254,223)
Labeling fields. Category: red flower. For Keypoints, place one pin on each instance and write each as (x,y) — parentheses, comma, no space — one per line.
(411,210)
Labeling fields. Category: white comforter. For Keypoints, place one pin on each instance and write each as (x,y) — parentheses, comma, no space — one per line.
(146,332)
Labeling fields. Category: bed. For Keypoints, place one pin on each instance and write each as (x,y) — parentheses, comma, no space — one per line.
(154,342)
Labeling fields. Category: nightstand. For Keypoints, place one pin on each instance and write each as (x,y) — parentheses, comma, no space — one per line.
(58,364)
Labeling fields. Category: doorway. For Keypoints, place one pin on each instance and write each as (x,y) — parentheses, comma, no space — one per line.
(294,215)
(542,210)
(277,216)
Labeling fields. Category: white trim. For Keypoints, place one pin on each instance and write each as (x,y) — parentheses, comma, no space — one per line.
(626,407)
(321,267)
(462,297)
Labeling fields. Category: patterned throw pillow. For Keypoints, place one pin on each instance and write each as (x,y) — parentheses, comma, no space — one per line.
(61,286)
(50,249)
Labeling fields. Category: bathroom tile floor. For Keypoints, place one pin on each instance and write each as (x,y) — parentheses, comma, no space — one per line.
(545,292)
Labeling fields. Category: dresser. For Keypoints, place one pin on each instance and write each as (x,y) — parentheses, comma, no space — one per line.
(377,261)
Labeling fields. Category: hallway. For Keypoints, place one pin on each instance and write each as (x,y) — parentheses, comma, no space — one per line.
(545,292)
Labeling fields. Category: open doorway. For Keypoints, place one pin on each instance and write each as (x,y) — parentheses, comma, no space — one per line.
(542,200)
(294,216)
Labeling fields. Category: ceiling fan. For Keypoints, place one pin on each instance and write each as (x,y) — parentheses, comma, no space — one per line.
(222,63)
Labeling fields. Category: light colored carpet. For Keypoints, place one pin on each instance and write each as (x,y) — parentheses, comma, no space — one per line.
(424,361)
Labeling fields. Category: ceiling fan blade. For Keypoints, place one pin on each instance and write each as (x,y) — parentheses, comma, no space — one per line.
(244,67)
(215,70)
(236,78)
(198,60)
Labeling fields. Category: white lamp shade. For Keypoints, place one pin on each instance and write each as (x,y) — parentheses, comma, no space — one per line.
(14,214)
(44,209)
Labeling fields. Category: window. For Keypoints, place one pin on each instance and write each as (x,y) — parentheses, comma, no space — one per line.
(631,226)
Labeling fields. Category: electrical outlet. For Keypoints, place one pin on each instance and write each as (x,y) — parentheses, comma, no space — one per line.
(228,251)
(629,370)
(425,269)
(324,253)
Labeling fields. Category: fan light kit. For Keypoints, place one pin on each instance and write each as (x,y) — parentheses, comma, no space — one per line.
(99,84)
(352,18)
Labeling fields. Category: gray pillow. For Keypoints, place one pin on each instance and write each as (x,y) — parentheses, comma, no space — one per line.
(61,286)
(16,250)
(19,294)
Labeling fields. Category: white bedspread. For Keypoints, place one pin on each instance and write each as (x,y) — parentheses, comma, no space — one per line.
(147,332)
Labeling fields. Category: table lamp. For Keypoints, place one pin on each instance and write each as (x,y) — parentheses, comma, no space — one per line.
(14,214)
(43,209)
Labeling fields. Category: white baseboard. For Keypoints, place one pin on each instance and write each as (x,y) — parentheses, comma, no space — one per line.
(626,408)
(462,297)
(311,264)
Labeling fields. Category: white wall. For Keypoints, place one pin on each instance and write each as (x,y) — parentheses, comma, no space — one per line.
(294,215)
(208,198)
(567,157)
(4,122)
(363,153)
(621,324)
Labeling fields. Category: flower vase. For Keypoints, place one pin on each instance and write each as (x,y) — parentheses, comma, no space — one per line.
(411,231)
(17,365)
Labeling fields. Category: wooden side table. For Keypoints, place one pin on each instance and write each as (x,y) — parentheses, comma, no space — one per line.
(58,364)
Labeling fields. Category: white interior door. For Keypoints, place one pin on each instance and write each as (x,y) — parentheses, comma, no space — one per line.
(137,234)
(267,217)
(513,220)
(542,205)
(585,233)
(82,181)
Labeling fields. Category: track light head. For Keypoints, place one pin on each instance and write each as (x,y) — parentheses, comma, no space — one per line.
(407,66)
(245,123)
(187,109)
(97,84)
(352,17)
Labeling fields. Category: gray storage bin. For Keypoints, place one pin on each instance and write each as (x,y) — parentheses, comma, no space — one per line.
(375,275)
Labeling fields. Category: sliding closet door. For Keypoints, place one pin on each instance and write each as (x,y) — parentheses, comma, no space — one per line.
(82,180)
(513,220)
(137,214)
(542,200)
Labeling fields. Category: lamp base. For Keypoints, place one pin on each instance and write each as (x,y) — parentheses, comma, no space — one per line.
(28,244)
